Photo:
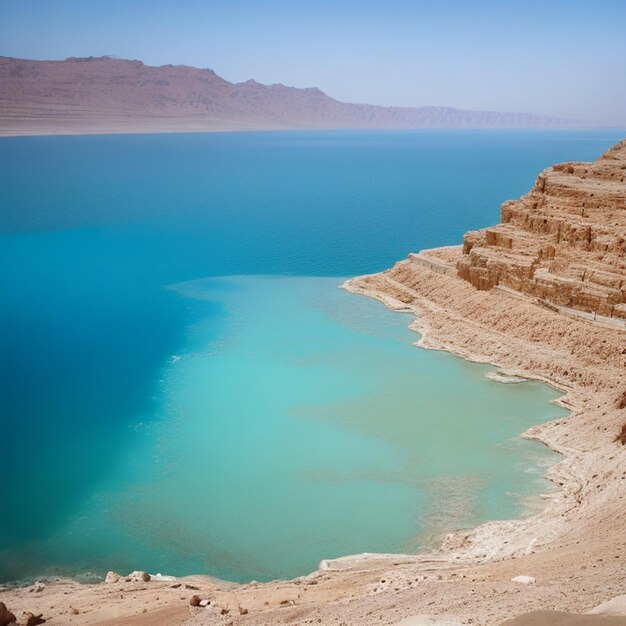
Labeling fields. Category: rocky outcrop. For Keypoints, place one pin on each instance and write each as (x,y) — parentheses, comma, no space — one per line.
(561,247)
(6,617)
(564,242)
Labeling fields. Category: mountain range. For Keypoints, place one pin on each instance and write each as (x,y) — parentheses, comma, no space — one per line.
(105,94)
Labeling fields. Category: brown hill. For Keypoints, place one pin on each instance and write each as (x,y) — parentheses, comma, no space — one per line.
(103,94)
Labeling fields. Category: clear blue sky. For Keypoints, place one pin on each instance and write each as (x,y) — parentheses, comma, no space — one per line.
(561,57)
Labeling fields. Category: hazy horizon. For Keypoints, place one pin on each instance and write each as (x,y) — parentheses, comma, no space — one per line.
(565,59)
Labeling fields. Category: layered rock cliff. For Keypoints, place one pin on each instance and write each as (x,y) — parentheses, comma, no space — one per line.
(563,243)
(525,296)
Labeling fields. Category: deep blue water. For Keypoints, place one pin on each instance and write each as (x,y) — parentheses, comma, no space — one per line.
(94,228)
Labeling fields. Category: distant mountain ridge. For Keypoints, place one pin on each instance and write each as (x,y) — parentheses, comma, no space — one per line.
(105,94)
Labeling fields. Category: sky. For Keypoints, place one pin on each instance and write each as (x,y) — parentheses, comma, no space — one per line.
(553,57)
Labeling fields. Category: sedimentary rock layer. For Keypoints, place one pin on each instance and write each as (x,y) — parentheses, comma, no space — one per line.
(564,242)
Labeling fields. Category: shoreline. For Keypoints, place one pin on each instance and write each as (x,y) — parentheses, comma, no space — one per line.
(427,342)
(413,547)
(575,398)
(490,555)
(4,133)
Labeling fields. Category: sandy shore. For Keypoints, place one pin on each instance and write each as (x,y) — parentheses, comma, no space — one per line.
(583,359)
(574,549)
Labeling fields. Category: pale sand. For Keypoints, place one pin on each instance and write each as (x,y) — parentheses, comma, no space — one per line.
(558,618)
(574,548)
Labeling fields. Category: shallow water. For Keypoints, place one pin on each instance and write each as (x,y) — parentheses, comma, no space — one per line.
(246,426)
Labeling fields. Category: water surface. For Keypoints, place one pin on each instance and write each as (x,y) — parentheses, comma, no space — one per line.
(245,427)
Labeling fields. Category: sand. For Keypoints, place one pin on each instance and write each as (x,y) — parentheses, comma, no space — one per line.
(559,618)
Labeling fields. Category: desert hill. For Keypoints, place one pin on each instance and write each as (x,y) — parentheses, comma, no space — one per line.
(104,94)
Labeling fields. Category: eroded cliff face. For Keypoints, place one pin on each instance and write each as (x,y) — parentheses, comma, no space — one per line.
(564,242)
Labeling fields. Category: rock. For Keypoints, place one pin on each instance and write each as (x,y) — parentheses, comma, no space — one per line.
(205,602)
(34,620)
(194,601)
(74,611)
(37,587)
(524,580)
(112,577)
(506,379)
(615,606)
(6,617)
(428,620)
(163,577)
(563,242)
(138,576)
(243,611)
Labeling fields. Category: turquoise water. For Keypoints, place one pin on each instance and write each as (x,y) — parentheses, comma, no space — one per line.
(184,388)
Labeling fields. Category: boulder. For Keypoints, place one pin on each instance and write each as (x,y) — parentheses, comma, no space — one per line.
(6,617)
(524,580)
(138,576)
(112,577)
(34,620)
(615,606)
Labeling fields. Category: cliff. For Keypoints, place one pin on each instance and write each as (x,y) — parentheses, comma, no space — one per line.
(539,296)
(100,95)
(563,243)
